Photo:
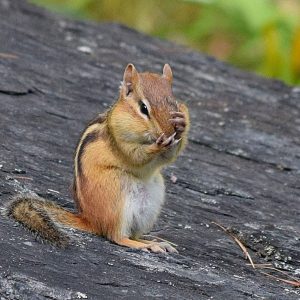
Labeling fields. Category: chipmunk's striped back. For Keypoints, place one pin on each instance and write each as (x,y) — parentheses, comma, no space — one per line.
(90,134)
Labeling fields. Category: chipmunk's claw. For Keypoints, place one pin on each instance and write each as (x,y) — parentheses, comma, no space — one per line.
(164,142)
(169,140)
(175,142)
(160,139)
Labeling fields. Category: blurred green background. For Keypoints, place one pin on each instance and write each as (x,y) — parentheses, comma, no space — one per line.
(258,35)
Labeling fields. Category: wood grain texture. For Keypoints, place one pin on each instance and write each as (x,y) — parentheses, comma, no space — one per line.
(241,167)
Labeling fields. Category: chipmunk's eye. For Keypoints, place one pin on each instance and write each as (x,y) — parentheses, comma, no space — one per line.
(144,109)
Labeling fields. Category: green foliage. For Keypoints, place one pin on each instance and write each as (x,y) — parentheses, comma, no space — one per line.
(258,35)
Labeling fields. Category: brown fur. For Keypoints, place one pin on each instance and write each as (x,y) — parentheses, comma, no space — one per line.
(119,143)
(159,93)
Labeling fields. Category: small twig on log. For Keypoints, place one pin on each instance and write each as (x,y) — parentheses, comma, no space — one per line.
(294,282)
(280,271)
(8,55)
(244,249)
(22,177)
(261,265)
(53,191)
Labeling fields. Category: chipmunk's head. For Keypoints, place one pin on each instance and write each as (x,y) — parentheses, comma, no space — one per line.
(142,112)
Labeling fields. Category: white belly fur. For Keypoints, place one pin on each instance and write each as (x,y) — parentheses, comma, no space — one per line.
(143,201)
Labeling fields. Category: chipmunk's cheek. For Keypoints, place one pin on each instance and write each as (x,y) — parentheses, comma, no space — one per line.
(149,138)
(129,136)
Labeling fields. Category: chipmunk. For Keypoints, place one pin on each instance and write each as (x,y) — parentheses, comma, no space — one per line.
(118,187)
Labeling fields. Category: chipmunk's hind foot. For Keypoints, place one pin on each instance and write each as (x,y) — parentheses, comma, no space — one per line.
(147,246)
(159,247)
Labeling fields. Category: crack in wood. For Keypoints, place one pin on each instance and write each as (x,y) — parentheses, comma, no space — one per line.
(16,93)
(277,166)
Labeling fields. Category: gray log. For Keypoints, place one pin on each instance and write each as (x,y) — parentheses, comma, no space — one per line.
(241,168)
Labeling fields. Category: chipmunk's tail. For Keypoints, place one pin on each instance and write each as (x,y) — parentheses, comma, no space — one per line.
(45,219)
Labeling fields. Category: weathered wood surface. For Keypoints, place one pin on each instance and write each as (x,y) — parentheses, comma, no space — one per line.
(241,167)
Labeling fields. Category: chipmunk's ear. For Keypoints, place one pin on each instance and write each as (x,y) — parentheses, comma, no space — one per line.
(167,73)
(130,79)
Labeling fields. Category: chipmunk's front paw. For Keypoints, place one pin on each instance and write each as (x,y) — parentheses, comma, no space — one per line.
(179,122)
(164,142)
